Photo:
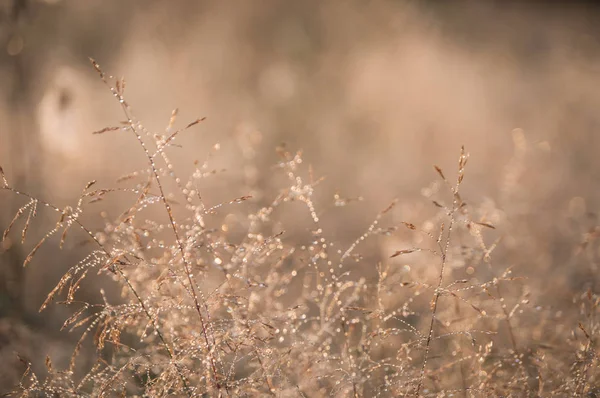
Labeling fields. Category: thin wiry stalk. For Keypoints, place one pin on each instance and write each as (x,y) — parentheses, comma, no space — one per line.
(116,268)
(437,293)
(456,204)
(186,264)
(582,380)
(511,334)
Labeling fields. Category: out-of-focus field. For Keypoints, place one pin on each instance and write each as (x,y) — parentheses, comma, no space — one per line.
(373,94)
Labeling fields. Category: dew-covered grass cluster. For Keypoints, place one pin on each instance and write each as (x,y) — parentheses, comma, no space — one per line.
(234,299)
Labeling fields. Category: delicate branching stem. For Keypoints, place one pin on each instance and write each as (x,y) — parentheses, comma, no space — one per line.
(456,204)
(187,266)
(511,334)
(116,268)
(437,293)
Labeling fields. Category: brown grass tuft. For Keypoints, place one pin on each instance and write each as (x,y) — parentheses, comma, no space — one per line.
(233,299)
